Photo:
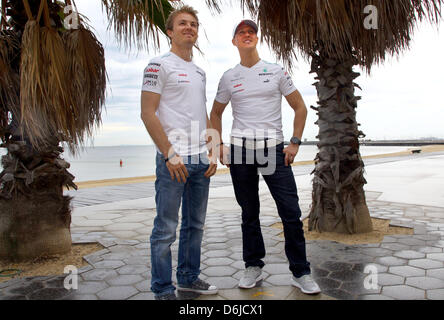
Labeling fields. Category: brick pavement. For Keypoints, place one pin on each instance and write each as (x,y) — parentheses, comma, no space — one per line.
(408,266)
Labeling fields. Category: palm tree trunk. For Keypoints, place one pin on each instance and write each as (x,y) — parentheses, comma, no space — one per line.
(35,216)
(339,203)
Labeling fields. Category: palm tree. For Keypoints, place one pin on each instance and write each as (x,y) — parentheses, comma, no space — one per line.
(337,35)
(52,90)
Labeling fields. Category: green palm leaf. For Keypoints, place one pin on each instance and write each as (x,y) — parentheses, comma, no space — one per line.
(134,21)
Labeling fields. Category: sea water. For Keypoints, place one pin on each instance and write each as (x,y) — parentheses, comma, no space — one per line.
(99,163)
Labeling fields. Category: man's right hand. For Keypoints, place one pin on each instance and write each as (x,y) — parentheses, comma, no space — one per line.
(224,154)
(177,169)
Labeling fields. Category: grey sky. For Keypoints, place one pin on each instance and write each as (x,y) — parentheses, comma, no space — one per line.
(400,99)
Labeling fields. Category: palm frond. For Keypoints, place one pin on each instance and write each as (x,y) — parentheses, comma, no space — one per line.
(214,5)
(88,82)
(135,21)
(33,96)
(9,79)
(62,84)
(2,14)
(291,26)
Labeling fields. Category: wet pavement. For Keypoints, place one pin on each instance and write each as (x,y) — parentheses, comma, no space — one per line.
(401,267)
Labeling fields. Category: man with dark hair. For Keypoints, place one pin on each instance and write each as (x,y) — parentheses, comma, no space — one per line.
(173,110)
(255,89)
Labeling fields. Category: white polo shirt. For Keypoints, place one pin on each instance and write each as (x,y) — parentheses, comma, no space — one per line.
(256,99)
(182,108)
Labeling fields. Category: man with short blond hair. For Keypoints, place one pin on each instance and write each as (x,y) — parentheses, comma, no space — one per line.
(169,23)
(173,110)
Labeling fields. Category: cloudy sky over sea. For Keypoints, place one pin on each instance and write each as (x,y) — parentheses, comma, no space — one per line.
(400,99)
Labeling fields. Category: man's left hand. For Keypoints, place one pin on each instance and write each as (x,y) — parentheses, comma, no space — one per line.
(290,153)
(213,165)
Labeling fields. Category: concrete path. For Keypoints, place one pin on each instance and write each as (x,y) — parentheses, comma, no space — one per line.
(407,190)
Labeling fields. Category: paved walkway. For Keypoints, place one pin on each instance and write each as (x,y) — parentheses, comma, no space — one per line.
(407,190)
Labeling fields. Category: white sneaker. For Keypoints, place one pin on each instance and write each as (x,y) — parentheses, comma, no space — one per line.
(306,284)
(252,275)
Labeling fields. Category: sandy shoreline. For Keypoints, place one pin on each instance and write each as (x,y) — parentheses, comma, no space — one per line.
(224,170)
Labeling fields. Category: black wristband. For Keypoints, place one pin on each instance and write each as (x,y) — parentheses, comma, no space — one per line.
(170,157)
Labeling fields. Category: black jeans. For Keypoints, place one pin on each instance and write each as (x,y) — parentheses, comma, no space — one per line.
(282,185)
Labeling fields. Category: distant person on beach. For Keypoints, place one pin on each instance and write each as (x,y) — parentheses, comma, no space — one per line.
(173,109)
(255,88)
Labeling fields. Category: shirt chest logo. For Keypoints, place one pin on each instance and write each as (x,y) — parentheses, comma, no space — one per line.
(183,78)
(238,88)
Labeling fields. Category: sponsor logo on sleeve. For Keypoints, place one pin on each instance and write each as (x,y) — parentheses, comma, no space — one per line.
(151,76)
(151,83)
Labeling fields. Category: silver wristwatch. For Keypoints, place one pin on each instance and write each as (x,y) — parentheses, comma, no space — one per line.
(296,140)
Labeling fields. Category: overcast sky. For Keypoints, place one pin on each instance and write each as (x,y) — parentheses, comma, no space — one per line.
(400,99)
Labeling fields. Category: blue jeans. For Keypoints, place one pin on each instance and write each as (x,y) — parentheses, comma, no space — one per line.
(282,186)
(170,194)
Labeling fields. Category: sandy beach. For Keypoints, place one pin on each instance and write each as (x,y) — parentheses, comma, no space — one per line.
(224,170)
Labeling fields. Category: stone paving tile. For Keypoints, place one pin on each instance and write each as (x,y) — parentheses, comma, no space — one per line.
(427,249)
(117,293)
(218,261)
(82,297)
(436,273)
(347,275)
(407,271)
(403,292)
(437,294)
(436,256)
(277,268)
(258,293)
(374,297)
(143,296)
(218,253)
(387,279)
(99,274)
(279,279)
(395,246)
(91,287)
(409,254)
(339,294)
(391,261)
(426,264)
(133,269)
(124,280)
(144,286)
(219,271)
(336,266)
(108,264)
(223,282)
(425,283)
(327,283)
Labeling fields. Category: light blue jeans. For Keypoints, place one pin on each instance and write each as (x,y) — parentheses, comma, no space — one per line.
(169,195)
